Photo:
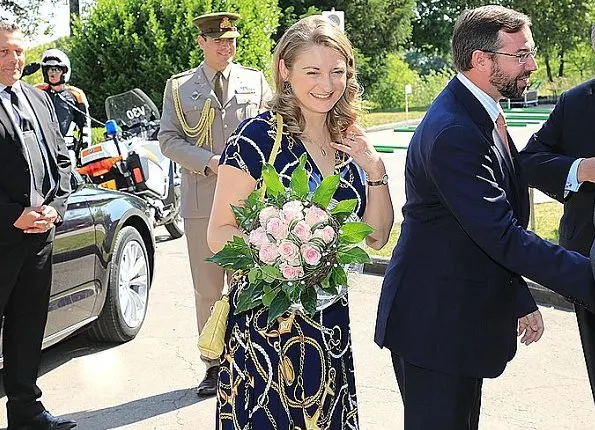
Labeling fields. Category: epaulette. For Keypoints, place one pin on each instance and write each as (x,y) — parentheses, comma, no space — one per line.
(249,68)
(78,94)
(42,86)
(184,73)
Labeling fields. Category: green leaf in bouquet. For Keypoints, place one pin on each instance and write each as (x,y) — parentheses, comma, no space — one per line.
(254,201)
(272,181)
(344,207)
(308,299)
(354,232)
(244,216)
(338,275)
(249,298)
(328,285)
(292,290)
(254,275)
(278,307)
(269,296)
(299,179)
(325,191)
(235,255)
(346,255)
(271,273)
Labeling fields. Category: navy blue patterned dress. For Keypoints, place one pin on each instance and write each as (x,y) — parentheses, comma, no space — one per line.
(297,374)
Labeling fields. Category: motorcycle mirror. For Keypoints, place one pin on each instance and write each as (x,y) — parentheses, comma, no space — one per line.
(30,68)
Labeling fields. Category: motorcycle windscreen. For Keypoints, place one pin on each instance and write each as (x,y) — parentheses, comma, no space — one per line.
(131,108)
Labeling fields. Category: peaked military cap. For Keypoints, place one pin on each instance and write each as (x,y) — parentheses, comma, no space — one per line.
(220,25)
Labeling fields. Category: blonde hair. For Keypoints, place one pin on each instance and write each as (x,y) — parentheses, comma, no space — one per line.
(308,32)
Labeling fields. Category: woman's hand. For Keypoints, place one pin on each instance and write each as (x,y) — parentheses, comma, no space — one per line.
(357,145)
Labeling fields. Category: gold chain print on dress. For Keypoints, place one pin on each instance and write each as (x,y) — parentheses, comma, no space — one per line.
(202,130)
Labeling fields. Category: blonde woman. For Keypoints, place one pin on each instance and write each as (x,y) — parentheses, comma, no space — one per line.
(299,373)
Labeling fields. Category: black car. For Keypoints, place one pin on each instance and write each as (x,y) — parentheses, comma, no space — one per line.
(103,266)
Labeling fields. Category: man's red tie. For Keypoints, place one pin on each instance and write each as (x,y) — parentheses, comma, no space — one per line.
(501,126)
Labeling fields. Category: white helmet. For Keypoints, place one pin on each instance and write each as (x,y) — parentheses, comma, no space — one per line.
(55,58)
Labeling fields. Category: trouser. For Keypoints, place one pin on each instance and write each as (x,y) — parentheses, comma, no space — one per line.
(208,278)
(434,400)
(25,282)
(586,328)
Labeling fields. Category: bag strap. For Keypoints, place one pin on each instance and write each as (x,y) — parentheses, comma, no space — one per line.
(275,150)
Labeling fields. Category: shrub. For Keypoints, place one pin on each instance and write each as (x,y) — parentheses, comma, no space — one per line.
(123,44)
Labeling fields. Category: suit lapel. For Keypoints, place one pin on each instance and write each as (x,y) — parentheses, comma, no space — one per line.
(6,120)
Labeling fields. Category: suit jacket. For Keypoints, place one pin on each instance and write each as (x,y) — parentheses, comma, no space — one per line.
(247,93)
(15,178)
(568,134)
(453,290)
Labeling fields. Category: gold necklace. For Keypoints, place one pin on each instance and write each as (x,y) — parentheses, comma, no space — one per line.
(321,147)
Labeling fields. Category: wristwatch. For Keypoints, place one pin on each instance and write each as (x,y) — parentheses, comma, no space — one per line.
(383,181)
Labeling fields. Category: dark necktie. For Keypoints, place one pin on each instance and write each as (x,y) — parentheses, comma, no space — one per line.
(41,179)
(218,86)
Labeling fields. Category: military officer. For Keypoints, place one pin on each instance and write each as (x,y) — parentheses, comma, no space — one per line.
(201,108)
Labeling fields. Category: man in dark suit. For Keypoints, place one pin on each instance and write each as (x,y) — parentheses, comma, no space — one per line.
(34,186)
(453,299)
(560,161)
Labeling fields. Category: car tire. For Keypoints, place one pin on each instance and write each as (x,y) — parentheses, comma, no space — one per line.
(127,298)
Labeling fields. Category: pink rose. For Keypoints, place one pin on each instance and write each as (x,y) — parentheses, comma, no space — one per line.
(288,251)
(327,233)
(311,255)
(266,213)
(315,215)
(293,210)
(268,253)
(258,237)
(277,228)
(302,231)
(291,272)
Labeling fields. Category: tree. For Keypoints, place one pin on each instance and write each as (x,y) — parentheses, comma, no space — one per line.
(123,44)
(559,26)
(375,27)
(27,14)
(75,12)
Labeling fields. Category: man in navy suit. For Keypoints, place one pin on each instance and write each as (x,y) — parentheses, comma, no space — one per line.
(560,161)
(34,187)
(453,299)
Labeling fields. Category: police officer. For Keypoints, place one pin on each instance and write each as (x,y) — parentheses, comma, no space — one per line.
(70,102)
(201,108)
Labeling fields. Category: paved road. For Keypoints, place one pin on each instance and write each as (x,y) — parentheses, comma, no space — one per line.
(148,383)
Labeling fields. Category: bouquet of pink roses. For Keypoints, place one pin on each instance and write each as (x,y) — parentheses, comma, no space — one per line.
(297,243)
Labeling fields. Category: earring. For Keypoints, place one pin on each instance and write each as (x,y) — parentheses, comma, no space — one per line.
(286,88)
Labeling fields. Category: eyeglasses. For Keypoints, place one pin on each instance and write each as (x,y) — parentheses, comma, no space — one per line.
(55,69)
(523,57)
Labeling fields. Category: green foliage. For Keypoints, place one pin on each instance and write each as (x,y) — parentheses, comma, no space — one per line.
(375,27)
(389,92)
(123,44)
(28,14)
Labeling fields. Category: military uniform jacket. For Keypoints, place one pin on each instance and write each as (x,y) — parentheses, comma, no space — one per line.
(247,92)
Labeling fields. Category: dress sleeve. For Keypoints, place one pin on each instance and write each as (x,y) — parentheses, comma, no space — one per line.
(250,146)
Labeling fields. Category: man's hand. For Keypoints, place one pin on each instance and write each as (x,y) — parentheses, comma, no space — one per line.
(213,164)
(36,219)
(586,170)
(531,327)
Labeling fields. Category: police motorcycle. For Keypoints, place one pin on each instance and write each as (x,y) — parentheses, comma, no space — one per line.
(130,160)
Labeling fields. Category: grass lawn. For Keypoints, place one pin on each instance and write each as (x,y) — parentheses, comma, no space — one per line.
(547,217)
(371,119)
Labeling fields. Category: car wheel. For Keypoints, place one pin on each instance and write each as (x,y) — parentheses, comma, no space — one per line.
(127,298)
